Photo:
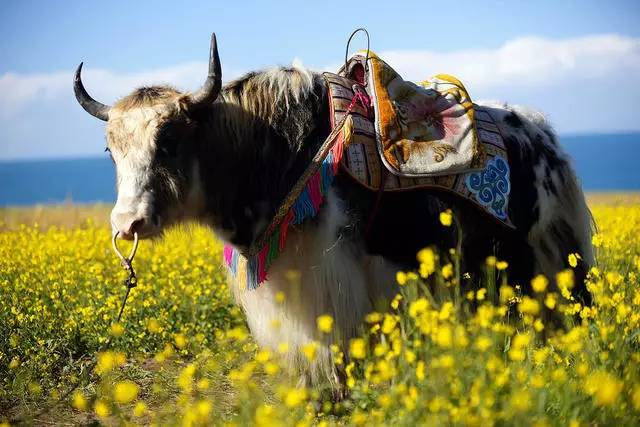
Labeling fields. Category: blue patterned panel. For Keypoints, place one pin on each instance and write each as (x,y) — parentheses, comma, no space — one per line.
(491,186)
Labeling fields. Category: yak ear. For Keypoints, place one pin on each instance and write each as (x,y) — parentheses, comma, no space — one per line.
(183,104)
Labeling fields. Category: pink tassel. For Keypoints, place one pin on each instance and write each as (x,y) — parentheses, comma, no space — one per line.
(228,254)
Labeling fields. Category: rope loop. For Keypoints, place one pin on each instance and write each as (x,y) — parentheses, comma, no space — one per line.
(346,53)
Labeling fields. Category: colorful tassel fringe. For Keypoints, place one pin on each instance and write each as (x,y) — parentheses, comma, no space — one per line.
(251,272)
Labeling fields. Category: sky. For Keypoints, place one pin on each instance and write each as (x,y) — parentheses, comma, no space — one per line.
(577,61)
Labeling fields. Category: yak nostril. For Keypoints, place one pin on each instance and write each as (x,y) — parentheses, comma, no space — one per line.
(136,226)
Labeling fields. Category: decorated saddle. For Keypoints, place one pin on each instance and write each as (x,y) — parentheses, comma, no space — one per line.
(390,135)
(420,136)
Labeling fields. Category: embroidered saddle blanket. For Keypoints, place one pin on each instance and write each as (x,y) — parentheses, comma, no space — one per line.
(470,160)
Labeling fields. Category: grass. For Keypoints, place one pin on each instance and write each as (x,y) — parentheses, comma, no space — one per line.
(445,353)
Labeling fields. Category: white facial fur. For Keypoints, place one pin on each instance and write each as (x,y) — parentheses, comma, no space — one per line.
(131,138)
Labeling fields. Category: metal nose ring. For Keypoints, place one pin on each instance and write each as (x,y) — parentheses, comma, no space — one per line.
(125,261)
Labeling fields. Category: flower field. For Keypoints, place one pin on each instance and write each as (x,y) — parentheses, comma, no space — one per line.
(443,354)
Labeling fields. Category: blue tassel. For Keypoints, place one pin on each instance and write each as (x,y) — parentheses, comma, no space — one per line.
(252,273)
(327,173)
(303,207)
(234,262)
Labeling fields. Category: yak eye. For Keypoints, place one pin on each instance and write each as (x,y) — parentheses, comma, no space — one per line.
(168,147)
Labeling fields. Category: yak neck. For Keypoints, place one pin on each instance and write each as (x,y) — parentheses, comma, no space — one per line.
(254,144)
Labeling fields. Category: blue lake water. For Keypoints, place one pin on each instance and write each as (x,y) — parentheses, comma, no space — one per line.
(603,162)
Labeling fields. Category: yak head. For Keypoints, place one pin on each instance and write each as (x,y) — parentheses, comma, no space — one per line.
(150,136)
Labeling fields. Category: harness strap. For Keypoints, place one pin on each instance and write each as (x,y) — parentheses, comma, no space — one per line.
(300,185)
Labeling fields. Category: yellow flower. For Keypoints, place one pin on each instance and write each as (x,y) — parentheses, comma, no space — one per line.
(550,301)
(483,343)
(180,340)
(517,352)
(538,325)
(401,278)
(116,330)
(185,378)
(420,370)
(539,283)
(529,306)
(78,401)
(573,259)
(389,323)
(409,356)
(263,355)
(271,368)
(506,294)
(597,240)
(202,384)
(418,307)
(481,294)
(101,408)
(373,317)
(125,391)
(444,337)
(325,323)
(358,348)
(491,261)
(139,409)
(521,400)
(283,348)
(502,265)
(15,362)
(446,218)
(427,259)
(447,271)
(108,360)
(295,397)
(203,409)
(565,282)
(604,387)
(264,415)
(396,301)
(310,350)
(153,326)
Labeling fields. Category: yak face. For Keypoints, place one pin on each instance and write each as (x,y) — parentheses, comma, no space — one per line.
(151,140)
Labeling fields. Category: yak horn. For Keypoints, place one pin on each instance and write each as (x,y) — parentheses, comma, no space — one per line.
(91,106)
(211,87)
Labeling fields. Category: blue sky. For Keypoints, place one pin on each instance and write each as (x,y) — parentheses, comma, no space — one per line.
(579,61)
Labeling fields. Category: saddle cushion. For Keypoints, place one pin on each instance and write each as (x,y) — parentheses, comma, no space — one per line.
(425,129)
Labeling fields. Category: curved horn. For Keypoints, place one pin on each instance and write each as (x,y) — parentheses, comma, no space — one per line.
(211,87)
(91,106)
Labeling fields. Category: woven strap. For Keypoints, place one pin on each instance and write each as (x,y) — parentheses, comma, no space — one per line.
(293,194)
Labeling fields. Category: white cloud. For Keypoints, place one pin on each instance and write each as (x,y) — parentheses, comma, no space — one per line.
(526,61)
(585,84)
(21,90)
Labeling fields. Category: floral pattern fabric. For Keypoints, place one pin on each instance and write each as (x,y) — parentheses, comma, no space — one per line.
(422,129)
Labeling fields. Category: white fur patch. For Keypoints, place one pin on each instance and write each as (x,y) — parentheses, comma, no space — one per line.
(319,272)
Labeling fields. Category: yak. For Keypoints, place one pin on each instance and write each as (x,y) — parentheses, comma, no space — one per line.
(227,156)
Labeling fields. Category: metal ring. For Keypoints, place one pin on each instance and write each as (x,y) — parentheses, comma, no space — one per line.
(133,249)
(346,53)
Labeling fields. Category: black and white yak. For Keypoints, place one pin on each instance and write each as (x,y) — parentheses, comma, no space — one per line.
(227,156)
